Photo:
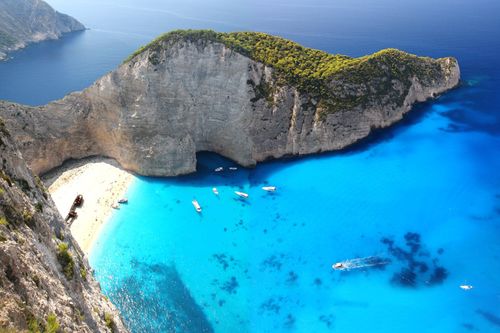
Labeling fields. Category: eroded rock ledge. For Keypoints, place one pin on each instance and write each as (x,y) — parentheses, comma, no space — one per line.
(45,280)
(193,91)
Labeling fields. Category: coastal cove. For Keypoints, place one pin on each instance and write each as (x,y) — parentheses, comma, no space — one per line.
(100,181)
(421,195)
(267,259)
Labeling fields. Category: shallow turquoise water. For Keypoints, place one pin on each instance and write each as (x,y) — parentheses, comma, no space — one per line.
(263,265)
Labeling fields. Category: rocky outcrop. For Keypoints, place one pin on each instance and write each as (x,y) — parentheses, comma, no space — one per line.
(45,282)
(182,96)
(28,21)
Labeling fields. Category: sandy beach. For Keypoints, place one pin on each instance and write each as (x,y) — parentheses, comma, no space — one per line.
(101,182)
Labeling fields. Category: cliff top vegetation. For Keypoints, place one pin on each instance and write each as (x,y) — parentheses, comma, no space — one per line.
(314,71)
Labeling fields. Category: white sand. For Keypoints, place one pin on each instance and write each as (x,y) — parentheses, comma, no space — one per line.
(101,182)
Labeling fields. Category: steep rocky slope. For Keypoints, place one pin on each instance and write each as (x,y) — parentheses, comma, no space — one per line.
(28,21)
(246,96)
(45,282)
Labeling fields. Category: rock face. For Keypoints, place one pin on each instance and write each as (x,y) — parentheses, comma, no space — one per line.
(27,21)
(156,111)
(44,280)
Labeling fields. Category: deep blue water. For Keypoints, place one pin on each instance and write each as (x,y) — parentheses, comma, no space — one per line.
(424,195)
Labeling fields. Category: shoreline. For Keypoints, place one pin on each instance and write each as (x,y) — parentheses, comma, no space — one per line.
(101,181)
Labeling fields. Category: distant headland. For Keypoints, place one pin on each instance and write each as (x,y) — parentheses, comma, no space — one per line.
(23,22)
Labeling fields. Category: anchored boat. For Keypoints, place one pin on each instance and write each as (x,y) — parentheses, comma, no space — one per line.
(269,188)
(241,194)
(216,192)
(219,169)
(196,206)
(466,287)
(78,202)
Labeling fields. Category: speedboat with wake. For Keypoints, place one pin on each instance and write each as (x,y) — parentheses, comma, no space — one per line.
(241,194)
(196,205)
(357,263)
(215,190)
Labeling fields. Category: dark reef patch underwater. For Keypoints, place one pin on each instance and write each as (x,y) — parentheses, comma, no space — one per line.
(418,267)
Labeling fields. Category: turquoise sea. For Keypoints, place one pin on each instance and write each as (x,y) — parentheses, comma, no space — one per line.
(423,196)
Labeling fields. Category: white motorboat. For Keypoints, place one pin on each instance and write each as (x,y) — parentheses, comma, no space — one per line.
(356,263)
(219,169)
(196,206)
(215,190)
(466,287)
(115,206)
(233,168)
(269,188)
(123,201)
(241,194)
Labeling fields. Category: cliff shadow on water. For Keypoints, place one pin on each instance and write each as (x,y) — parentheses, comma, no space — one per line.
(165,305)
(205,175)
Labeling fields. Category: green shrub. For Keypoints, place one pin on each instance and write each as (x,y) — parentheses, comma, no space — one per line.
(66,260)
(27,217)
(6,177)
(36,280)
(110,323)
(33,325)
(7,330)
(83,273)
(52,325)
(312,71)
(3,221)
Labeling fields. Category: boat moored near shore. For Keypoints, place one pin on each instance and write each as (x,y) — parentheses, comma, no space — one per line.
(269,188)
(196,205)
(241,194)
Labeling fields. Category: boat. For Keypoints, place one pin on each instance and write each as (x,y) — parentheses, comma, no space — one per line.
(466,287)
(71,215)
(219,169)
(216,192)
(123,200)
(233,168)
(115,206)
(356,263)
(269,188)
(241,194)
(196,206)
(78,201)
